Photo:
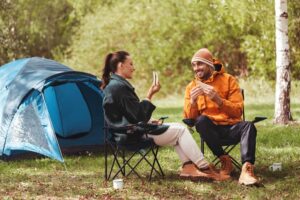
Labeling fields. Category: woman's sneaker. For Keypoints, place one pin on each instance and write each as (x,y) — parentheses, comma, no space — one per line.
(191,171)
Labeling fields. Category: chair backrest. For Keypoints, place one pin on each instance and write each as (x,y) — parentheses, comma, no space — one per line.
(243,95)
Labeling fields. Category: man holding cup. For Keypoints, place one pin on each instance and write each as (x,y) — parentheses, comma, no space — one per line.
(213,99)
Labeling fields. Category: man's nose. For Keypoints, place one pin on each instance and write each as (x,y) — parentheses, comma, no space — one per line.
(199,66)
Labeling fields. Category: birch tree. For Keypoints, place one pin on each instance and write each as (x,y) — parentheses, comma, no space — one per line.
(283,73)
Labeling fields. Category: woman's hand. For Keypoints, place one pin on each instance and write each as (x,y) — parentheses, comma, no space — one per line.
(153,89)
(155,121)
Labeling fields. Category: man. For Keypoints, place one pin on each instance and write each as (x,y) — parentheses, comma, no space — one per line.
(213,99)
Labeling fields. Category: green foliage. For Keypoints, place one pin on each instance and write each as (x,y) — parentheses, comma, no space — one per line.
(34,28)
(294,36)
(160,35)
(164,35)
(148,30)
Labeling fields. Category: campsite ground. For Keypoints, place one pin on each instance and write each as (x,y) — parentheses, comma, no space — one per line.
(82,176)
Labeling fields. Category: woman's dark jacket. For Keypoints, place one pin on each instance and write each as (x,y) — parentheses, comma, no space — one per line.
(121,104)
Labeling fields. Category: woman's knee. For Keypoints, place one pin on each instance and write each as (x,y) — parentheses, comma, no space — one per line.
(177,129)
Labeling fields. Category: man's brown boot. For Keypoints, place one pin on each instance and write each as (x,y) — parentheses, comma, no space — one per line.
(247,176)
(191,171)
(226,165)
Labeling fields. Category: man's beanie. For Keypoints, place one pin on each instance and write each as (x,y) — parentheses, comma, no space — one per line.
(205,56)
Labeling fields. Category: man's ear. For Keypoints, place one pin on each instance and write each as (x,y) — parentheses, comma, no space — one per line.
(210,68)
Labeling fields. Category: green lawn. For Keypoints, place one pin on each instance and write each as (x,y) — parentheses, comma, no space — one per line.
(82,176)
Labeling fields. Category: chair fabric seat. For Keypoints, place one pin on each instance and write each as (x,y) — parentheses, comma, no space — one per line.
(141,143)
(225,142)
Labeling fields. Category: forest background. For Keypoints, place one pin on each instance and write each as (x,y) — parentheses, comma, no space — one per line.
(160,35)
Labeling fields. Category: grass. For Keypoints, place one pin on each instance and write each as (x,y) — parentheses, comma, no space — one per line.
(82,176)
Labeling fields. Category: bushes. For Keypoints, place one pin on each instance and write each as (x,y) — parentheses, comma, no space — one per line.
(164,35)
(31,28)
(160,35)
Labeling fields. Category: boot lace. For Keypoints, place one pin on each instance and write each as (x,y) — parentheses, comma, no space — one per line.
(250,170)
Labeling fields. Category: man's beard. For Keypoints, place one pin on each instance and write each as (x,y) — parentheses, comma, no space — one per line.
(201,74)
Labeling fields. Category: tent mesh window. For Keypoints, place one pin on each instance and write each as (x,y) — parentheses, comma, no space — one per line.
(26,128)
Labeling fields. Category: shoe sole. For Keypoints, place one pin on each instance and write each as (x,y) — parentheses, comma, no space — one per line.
(196,178)
(249,184)
(232,171)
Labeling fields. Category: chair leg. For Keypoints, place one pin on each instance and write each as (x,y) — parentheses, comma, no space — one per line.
(120,153)
(115,160)
(123,157)
(236,163)
(143,157)
(127,162)
(202,146)
(105,160)
(151,165)
(160,169)
(155,160)
(115,151)
(227,150)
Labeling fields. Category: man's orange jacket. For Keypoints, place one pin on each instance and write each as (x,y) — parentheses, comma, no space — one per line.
(228,89)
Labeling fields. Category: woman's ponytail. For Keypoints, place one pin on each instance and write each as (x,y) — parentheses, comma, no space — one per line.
(110,65)
(106,71)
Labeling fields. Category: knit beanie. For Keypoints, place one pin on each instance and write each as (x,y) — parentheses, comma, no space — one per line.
(205,56)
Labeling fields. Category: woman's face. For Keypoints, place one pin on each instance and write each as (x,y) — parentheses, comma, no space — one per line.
(127,68)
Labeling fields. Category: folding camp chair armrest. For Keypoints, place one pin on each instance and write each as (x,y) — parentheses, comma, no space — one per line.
(146,125)
(127,129)
(189,122)
(258,119)
(162,119)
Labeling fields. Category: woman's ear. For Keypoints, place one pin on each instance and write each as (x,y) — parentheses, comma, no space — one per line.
(119,65)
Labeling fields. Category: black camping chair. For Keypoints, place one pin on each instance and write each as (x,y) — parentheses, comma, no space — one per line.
(123,146)
(228,146)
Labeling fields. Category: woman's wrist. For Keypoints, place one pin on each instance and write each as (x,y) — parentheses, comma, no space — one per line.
(149,97)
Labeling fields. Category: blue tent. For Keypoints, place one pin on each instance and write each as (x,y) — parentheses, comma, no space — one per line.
(46,106)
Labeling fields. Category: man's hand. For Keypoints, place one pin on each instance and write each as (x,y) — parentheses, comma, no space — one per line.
(213,95)
(195,92)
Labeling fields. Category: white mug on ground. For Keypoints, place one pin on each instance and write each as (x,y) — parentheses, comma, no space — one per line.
(275,167)
(118,184)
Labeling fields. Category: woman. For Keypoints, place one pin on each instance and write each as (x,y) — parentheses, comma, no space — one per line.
(122,107)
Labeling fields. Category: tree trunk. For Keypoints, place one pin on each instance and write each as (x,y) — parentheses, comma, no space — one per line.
(282,113)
